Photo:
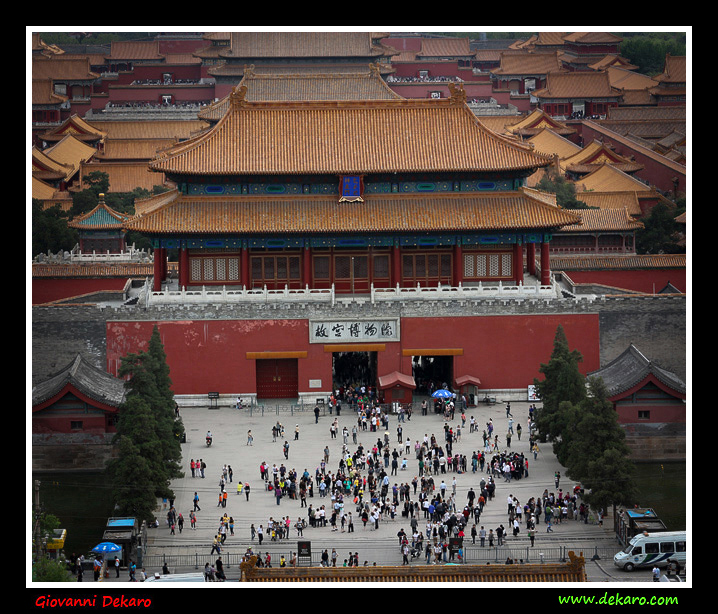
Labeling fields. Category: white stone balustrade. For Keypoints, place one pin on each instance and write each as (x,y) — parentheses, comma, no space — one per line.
(224,295)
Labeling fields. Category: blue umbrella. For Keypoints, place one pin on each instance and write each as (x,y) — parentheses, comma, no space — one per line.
(106,547)
(443,393)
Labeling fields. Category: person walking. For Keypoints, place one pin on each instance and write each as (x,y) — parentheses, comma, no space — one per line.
(195,500)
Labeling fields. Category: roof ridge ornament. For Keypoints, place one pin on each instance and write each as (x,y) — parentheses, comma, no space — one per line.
(238,97)
(458,94)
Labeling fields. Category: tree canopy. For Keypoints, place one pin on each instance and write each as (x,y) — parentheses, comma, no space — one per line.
(581,423)
(148,433)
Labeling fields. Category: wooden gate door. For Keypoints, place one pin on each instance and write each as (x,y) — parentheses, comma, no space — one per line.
(277,378)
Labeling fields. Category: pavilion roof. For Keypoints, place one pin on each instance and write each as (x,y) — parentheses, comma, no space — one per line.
(630,369)
(596,154)
(77,127)
(347,137)
(523,210)
(536,121)
(102,217)
(84,377)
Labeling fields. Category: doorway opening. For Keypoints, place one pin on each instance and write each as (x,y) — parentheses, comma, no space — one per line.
(432,372)
(353,370)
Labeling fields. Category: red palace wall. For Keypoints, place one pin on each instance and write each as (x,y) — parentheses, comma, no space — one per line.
(48,290)
(211,355)
(649,281)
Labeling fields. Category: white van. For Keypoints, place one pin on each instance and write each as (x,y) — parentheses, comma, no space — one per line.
(652,549)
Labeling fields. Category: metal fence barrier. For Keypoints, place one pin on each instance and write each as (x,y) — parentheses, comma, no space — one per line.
(389,555)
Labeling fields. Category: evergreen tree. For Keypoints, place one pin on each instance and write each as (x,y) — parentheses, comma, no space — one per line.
(562,382)
(166,402)
(660,232)
(598,455)
(564,190)
(146,430)
(134,481)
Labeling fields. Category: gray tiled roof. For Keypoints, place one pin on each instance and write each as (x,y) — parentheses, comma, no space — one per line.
(630,368)
(87,379)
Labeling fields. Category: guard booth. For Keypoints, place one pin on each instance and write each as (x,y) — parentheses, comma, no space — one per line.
(124,532)
(304,553)
(637,520)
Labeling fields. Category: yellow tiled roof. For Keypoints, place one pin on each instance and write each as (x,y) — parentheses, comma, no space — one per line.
(302,45)
(625,201)
(347,137)
(365,85)
(445,47)
(525,63)
(588,84)
(124,176)
(74,69)
(592,262)
(134,50)
(603,220)
(71,152)
(595,154)
(549,143)
(378,213)
(536,121)
(607,178)
(149,129)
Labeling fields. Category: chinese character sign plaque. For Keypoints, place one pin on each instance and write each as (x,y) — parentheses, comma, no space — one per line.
(343,331)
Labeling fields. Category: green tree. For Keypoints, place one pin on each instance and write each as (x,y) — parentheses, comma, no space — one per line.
(134,481)
(562,382)
(50,231)
(648,50)
(565,190)
(610,480)
(147,420)
(660,232)
(165,407)
(50,570)
(595,431)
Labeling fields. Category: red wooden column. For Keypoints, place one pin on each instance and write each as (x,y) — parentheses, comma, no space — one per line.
(183,267)
(395,265)
(545,265)
(158,269)
(531,258)
(244,264)
(518,263)
(458,265)
(307,266)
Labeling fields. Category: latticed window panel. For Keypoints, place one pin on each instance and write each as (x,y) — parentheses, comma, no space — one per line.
(486,266)
(195,268)
(506,265)
(381,267)
(469,260)
(233,269)
(221,272)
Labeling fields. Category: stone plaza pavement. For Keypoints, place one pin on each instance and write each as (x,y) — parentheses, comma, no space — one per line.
(230,427)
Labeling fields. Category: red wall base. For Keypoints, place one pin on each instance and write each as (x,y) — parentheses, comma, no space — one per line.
(504,352)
